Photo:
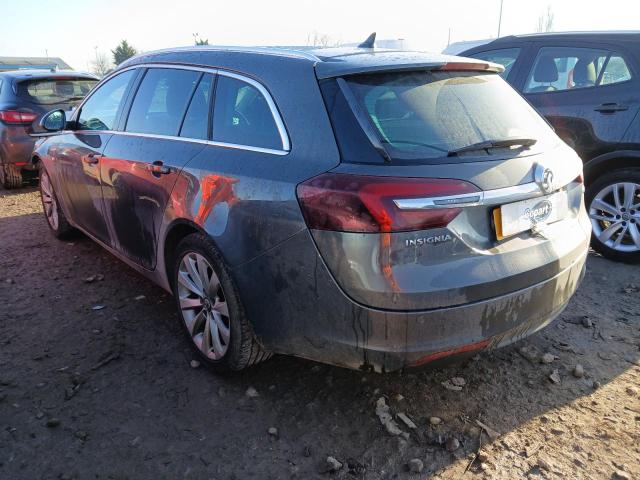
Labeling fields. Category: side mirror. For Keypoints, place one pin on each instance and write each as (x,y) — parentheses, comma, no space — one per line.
(54,121)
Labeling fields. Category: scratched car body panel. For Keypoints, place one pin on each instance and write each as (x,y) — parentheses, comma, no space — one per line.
(347,242)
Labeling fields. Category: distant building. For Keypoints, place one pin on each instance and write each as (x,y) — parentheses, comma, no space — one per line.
(40,63)
(390,43)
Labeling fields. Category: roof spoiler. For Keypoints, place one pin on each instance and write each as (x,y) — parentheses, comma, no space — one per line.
(337,69)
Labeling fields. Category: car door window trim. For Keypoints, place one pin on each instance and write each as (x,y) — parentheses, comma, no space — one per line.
(284,137)
(189,140)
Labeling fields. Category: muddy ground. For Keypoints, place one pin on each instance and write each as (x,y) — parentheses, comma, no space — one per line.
(110,394)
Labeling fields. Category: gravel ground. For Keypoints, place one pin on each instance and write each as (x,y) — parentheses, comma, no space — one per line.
(96,382)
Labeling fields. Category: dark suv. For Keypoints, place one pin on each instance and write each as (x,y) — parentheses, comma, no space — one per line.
(24,96)
(588,86)
(368,208)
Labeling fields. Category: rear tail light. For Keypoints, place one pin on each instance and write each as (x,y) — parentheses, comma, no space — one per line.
(14,117)
(357,203)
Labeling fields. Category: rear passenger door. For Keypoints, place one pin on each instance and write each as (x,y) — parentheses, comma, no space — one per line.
(588,93)
(166,126)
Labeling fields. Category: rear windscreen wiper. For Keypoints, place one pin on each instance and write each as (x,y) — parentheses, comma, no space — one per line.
(506,142)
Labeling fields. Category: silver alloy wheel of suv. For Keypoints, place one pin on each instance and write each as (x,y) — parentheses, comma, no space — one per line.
(614,210)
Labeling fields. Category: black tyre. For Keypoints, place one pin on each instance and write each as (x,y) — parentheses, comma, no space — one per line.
(210,308)
(613,203)
(10,176)
(54,215)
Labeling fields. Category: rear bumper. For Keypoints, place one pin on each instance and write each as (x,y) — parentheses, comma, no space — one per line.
(309,316)
(397,341)
(489,324)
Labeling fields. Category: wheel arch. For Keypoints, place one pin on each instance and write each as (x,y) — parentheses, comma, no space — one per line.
(176,231)
(616,160)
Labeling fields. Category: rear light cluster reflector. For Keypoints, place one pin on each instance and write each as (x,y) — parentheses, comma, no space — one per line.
(365,204)
(14,117)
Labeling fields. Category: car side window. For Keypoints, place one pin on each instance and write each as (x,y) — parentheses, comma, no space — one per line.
(505,56)
(565,68)
(100,110)
(242,116)
(615,71)
(196,121)
(161,101)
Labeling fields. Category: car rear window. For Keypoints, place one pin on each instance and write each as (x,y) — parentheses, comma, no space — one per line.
(50,91)
(422,116)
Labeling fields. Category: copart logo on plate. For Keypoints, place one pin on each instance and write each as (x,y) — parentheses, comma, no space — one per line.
(539,212)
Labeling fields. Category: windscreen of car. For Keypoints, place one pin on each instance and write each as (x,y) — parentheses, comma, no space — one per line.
(101,109)
(426,115)
(52,91)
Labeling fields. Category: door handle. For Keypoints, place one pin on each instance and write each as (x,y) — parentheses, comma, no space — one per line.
(611,108)
(157,168)
(91,158)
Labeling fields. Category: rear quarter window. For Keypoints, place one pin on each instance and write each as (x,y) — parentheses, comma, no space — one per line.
(242,116)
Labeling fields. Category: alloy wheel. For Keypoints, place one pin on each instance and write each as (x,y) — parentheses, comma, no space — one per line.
(615,216)
(49,201)
(203,306)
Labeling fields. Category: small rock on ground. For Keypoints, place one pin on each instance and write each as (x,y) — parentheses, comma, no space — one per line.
(458,381)
(333,465)
(544,464)
(252,392)
(620,475)
(455,384)
(273,431)
(195,363)
(547,358)
(453,444)
(407,421)
(383,413)
(578,371)
(555,377)
(415,465)
(52,423)
(435,420)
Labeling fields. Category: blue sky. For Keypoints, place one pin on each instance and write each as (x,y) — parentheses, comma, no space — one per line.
(72,29)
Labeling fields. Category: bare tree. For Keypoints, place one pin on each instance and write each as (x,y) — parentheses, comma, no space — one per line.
(101,65)
(545,22)
(198,40)
(317,39)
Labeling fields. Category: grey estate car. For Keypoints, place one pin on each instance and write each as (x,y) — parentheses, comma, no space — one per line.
(366,208)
